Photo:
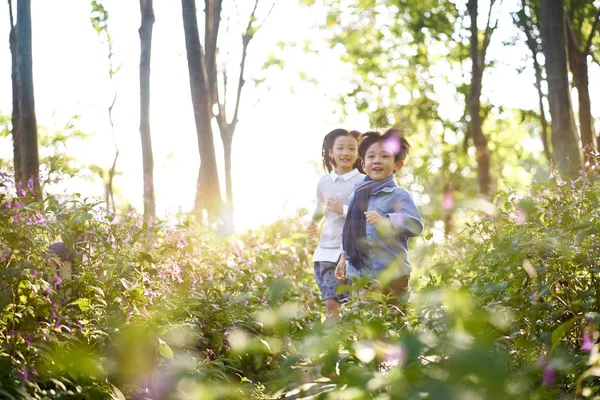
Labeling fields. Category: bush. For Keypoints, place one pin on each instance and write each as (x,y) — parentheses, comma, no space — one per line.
(508,308)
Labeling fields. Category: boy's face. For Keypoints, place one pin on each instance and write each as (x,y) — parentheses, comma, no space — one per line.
(379,163)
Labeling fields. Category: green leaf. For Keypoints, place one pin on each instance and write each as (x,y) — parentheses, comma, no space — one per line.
(5,298)
(146,257)
(84,304)
(164,349)
(559,332)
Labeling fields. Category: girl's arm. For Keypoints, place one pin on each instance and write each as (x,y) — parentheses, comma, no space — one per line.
(317,214)
(405,216)
(319,208)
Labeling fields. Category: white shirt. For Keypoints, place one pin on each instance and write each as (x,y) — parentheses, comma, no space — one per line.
(333,185)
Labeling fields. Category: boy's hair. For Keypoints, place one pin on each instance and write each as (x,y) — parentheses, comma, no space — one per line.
(393,140)
(328,142)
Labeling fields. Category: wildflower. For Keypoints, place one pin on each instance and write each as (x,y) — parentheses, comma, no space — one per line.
(520,217)
(448,201)
(25,375)
(394,355)
(549,375)
(586,342)
(57,279)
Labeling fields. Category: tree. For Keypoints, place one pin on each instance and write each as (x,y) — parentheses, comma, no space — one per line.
(478,54)
(15,99)
(145,32)
(208,191)
(227,126)
(213,84)
(564,135)
(579,42)
(27,124)
(527,19)
(99,20)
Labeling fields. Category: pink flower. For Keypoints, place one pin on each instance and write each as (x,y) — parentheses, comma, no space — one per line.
(586,342)
(448,201)
(521,217)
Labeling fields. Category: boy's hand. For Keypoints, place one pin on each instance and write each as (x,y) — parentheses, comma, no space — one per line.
(340,270)
(373,217)
(335,204)
(312,229)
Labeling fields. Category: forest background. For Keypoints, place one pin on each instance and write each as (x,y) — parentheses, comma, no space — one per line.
(162,291)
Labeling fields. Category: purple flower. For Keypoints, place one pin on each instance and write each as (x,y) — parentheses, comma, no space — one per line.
(57,279)
(586,342)
(25,375)
(549,375)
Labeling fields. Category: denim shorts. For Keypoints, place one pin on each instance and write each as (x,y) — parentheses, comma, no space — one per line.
(328,284)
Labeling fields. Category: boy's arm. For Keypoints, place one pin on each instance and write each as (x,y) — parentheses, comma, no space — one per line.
(405,217)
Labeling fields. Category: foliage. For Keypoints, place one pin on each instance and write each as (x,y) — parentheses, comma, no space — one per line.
(507,308)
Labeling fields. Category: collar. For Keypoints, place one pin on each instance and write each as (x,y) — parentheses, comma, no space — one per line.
(345,177)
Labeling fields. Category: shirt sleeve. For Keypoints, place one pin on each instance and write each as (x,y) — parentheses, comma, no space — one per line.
(406,218)
(320,207)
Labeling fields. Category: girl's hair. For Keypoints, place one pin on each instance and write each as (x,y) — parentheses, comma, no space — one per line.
(328,142)
(398,144)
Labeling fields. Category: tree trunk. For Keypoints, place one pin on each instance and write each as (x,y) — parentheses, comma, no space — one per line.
(145,32)
(478,59)
(532,43)
(30,161)
(212,20)
(15,102)
(228,214)
(227,146)
(564,135)
(579,68)
(208,194)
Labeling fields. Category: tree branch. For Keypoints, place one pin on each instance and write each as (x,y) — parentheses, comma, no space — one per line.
(588,44)
(595,59)
(10,14)
(246,38)
(266,18)
(489,29)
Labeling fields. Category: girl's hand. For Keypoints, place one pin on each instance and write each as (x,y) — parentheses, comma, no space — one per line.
(312,229)
(335,204)
(340,270)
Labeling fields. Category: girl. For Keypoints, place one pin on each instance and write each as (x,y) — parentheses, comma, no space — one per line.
(340,161)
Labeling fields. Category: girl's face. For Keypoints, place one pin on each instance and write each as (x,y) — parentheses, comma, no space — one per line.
(379,163)
(344,154)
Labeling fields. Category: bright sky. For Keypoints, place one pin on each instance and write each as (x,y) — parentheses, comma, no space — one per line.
(276,146)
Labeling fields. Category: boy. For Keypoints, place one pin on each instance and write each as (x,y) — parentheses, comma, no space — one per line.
(381,216)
